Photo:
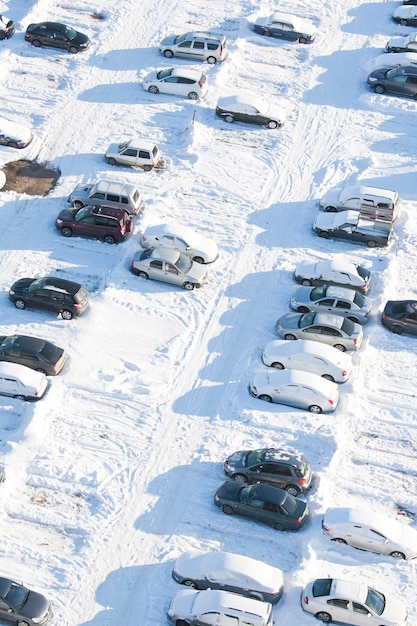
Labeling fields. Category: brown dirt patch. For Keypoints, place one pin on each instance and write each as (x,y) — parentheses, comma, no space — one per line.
(30,178)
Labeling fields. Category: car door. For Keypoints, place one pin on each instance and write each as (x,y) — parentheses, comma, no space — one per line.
(271,473)
(128,156)
(340,610)
(398,84)
(183,49)
(410,86)
(361,616)
(172,274)
(40,299)
(281,30)
(269,513)
(288,394)
(59,40)
(8,387)
(155,269)
(409,323)
(250,508)
(197,50)
(171,85)
(352,203)
(327,304)
(85,227)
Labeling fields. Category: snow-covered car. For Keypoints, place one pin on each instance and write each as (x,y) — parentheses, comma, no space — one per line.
(354,227)
(200,46)
(213,607)
(332,299)
(405,15)
(334,330)
(295,388)
(389,60)
(136,153)
(402,44)
(358,197)
(14,134)
(370,530)
(401,81)
(169,266)
(178,81)
(333,272)
(352,602)
(250,110)
(7,27)
(19,381)
(199,248)
(229,572)
(308,356)
(286,26)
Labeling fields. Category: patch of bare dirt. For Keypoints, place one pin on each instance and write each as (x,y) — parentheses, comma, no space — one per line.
(30,178)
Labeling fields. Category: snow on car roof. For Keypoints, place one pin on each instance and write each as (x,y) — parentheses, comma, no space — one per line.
(211,599)
(292,377)
(359,191)
(242,99)
(367,517)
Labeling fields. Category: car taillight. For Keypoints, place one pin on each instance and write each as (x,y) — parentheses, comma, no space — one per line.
(384,316)
(331,402)
(77,306)
(325,528)
(305,599)
(143,238)
(200,84)
(36,393)
(367,313)
(298,521)
(344,373)
(355,341)
(302,481)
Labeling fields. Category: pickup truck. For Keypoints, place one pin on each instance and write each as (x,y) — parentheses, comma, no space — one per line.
(355,226)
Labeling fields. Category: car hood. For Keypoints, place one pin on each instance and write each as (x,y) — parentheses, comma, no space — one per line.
(290,320)
(305,269)
(379,73)
(197,271)
(113,149)
(22,284)
(397,42)
(182,604)
(150,78)
(236,460)
(36,607)
(67,215)
(80,39)
(331,197)
(169,40)
(325,221)
(82,189)
(395,611)
(229,490)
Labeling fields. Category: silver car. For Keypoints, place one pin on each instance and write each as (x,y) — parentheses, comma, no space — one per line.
(168,266)
(333,272)
(334,330)
(332,299)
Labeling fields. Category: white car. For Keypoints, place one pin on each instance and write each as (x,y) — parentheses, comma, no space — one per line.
(229,572)
(19,381)
(199,248)
(333,272)
(13,134)
(250,109)
(369,530)
(358,197)
(295,388)
(405,15)
(136,153)
(402,44)
(308,356)
(352,602)
(218,608)
(178,81)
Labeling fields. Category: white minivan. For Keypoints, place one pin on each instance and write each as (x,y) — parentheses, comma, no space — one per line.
(22,382)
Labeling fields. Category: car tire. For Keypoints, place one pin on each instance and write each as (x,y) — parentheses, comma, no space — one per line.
(265,397)
(354,320)
(109,239)
(72,50)
(228,510)
(398,555)
(77,204)
(147,168)
(303,309)
(189,583)
(198,259)
(193,95)
(293,490)
(66,232)
(153,89)
(398,330)
(328,377)
(339,346)
(272,124)
(22,622)
(142,274)
(372,243)
(229,118)
(330,209)
(323,234)
(182,622)
(12,144)
(239,478)
(111,161)
(315,408)
(324,617)
(403,22)
(20,397)
(279,526)
(277,365)
(290,337)
(168,54)
(302,40)
(211,60)
(188,286)
(36,43)
(339,540)
(379,89)
(20,304)
(66,314)
(306,282)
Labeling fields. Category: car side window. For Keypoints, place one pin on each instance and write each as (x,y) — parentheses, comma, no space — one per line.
(359,608)
(341,604)
(171,79)
(185,44)
(171,268)
(283,470)
(211,619)
(98,196)
(156,265)
(144,154)
(187,81)
(342,304)
(270,506)
(327,302)
(130,152)
(87,220)
(199,45)
(212,46)
(256,504)
(112,198)
(102,221)
(412,80)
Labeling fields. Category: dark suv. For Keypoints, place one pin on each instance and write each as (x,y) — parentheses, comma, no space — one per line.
(55,35)
(109,225)
(282,468)
(399,80)
(66,298)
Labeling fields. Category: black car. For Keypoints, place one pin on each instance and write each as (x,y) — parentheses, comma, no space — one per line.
(399,80)
(250,110)
(64,297)
(400,316)
(409,1)
(38,354)
(263,503)
(55,35)
(7,28)
(23,606)
(286,469)
(286,26)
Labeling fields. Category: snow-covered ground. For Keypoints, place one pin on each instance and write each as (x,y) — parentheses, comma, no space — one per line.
(112,475)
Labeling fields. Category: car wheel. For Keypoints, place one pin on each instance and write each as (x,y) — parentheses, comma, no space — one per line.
(328,377)
(325,617)
(142,275)
(354,320)
(22,622)
(188,286)
(290,337)
(20,304)
(272,124)
(379,89)
(306,282)
(279,526)
(153,89)
(211,60)
(193,95)
(77,204)
(404,22)
(239,478)
(198,259)
(302,40)
(12,144)
(21,398)
(66,314)
(182,622)
(315,408)
(397,329)
(303,309)
(339,540)
(278,366)
(168,54)
(189,583)
(36,43)
(293,490)
(324,234)
(330,209)
(229,118)
(66,232)
(371,243)
(340,347)
(397,555)
(72,50)
(227,509)
(109,239)
(265,397)
(111,161)
(147,168)
(42,372)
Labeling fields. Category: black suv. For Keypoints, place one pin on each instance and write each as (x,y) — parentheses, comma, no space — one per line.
(282,468)
(66,298)
(55,35)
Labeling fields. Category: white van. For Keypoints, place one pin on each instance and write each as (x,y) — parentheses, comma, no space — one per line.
(22,382)
(110,193)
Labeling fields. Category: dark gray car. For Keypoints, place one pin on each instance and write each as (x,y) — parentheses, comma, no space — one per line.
(38,354)
(400,316)
(22,606)
(399,80)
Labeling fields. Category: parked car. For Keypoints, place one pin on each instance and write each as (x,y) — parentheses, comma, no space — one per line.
(334,330)
(97,222)
(295,388)
(406,15)
(55,35)
(135,153)
(199,248)
(332,299)
(359,197)
(409,2)
(213,607)
(370,530)
(178,82)
(308,356)
(13,134)
(286,26)
(402,44)
(354,227)
(169,266)
(333,272)
(263,503)
(250,110)
(279,467)
(389,60)
(400,316)
(64,297)
(110,193)
(200,46)
(400,80)
(229,572)
(18,381)
(7,28)
(351,602)
(38,354)
(22,605)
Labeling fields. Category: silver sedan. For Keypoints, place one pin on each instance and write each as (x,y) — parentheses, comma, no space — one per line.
(334,330)
(332,299)
(169,266)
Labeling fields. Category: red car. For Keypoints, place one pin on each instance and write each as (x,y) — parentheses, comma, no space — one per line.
(109,225)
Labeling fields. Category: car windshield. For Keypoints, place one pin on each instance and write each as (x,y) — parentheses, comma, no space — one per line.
(396,71)
(180,38)
(16,596)
(37,284)
(70,33)
(306,320)
(289,504)
(123,146)
(245,493)
(81,213)
(48,351)
(164,74)
(318,292)
(359,299)
(348,326)
(255,457)
(322,586)
(363,273)
(375,600)
(184,263)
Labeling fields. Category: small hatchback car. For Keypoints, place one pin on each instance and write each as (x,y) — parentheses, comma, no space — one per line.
(401,81)
(14,135)
(135,153)
(23,606)
(55,35)
(60,296)
(109,225)
(178,82)
(400,316)
(169,266)
(202,46)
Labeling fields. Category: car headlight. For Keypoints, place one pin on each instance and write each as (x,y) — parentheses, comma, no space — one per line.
(59,222)
(371,79)
(11,292)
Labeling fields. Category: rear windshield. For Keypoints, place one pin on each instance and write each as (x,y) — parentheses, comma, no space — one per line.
(48,351)
(359,300)
(289,504)
(363,273)
(348,326)
(322,586)
(303,469)
(202,79)
(81,295)
(375,600)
